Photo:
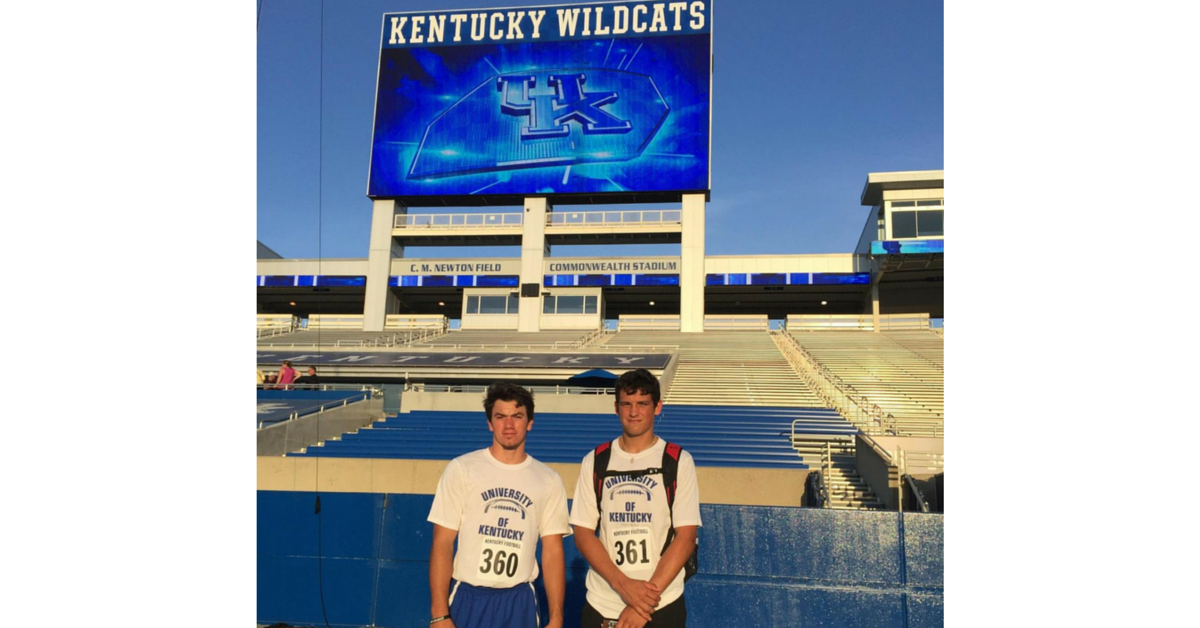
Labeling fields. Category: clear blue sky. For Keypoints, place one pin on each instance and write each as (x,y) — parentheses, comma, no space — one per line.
(808,97)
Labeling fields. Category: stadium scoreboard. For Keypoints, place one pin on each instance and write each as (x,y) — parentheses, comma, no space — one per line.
(598,102)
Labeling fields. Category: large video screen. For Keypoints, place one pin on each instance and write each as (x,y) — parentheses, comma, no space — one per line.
(605,99)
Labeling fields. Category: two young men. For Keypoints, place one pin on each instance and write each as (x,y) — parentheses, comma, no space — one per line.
(502,501)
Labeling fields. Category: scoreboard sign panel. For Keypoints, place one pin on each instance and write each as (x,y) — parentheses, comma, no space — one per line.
(605,101)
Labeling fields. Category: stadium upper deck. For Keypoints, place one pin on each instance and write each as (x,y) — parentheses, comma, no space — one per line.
(895,268)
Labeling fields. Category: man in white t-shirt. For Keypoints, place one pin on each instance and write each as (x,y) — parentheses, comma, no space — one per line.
(498,502)
(636,576)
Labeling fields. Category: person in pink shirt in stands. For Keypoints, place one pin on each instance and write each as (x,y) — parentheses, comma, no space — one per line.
(287,375)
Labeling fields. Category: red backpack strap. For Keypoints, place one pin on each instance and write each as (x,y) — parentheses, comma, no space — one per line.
(670,472)
(670,466)
(599,468)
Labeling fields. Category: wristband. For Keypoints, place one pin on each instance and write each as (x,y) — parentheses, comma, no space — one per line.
(437,619)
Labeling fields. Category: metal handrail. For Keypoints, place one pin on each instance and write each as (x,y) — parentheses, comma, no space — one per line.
(641,348)
(879,450)
(559,345)
(912,486)
(588,338)
(270,332)
(473,388)
(422,335)
(610,218)
(452,221)
(827,469)
(867,416)
(340,403)
(359,387)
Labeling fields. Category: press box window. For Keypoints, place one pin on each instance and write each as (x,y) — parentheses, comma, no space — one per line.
(493,304)
(569,304)
(917,222)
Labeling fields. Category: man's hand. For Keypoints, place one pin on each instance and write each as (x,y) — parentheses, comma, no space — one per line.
(642,596)
(631,618)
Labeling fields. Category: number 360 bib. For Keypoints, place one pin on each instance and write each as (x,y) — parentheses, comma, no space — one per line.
(499,560)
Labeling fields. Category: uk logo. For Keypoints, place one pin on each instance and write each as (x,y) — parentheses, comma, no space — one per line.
(567,101)
(542,118)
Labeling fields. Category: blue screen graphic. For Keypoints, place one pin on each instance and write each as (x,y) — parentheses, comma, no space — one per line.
(768,279)
(610,115)
(901,247)
(497,281)
(841,278)
(334,281)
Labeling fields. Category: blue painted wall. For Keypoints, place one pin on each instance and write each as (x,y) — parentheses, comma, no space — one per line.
(759,565)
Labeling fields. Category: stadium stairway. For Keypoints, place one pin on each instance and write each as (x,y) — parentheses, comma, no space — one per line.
(716,436)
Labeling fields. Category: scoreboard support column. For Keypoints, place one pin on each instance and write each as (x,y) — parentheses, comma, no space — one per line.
(691,262)
(379,301)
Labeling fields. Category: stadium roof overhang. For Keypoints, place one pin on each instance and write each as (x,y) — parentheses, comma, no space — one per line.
(878,182)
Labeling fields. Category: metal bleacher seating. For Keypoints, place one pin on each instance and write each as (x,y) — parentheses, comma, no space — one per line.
(900,371)
(344,338)
(927,344)
(497,339)
(714,435)
(734,368)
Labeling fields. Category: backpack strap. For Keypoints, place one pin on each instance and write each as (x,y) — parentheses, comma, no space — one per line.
(670,473)
(670,470)
(599,471)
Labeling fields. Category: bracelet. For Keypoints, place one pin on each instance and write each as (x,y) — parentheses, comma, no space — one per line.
(437,619)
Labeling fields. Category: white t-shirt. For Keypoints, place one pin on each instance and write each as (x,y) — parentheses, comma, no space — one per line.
(636,521)
(500,511)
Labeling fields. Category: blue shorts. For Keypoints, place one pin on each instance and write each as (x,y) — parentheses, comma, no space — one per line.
(481,607)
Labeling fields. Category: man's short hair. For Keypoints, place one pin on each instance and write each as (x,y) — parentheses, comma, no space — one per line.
(638,381)
(505,391)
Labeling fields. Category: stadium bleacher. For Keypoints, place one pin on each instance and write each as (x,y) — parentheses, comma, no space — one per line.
(715,435)
(905,384)
(740,368)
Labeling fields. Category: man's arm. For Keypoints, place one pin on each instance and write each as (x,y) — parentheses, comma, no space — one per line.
(640,595)
(441,567)
(554,577)
(676,555)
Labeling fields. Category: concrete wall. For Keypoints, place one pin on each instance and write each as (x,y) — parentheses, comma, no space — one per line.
(733,486)
(759,566)
(458,402)
(507,322)
(877,473)
(870,232)
(571,321)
